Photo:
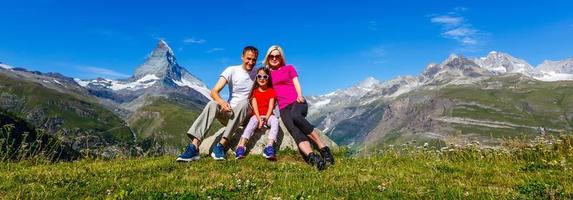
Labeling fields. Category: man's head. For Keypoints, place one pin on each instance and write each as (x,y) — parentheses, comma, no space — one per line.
(249,57)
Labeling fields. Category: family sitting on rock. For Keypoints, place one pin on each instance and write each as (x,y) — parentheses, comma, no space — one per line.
(251,103)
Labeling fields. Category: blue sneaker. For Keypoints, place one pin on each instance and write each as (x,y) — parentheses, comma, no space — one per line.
(189,155)
(240,152)
(269,153)
(218,152)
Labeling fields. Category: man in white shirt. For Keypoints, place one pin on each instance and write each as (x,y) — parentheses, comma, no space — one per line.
(231,113)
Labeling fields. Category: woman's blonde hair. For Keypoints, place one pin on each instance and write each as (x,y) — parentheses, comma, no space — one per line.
(272,48)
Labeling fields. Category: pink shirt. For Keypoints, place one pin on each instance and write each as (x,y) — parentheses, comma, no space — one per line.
(283,85)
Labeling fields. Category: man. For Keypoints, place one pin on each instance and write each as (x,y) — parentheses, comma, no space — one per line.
(233,112)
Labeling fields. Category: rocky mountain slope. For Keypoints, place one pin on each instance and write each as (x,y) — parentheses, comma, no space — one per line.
(459,100)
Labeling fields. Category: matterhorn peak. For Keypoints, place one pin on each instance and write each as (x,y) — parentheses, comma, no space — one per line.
(160,62)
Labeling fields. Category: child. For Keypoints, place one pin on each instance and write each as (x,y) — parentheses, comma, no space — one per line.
(263,102)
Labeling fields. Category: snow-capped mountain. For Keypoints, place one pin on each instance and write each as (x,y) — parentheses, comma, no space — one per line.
(159,74)
(556,70)
(348,115)
(454,68)
(502,63)
(339,105)
(5,66)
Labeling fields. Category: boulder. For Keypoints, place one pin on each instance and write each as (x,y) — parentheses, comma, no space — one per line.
(259,140)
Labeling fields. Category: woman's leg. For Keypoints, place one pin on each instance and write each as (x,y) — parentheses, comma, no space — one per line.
(301,139)
(299,114)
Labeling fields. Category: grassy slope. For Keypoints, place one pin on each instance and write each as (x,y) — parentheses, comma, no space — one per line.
(538,172)
(541,104)
(166,120)
(520,102)
(76,110)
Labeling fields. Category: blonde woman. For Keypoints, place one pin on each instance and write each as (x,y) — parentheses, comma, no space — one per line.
(293,107)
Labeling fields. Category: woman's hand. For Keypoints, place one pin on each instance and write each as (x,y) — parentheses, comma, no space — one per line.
(300,99)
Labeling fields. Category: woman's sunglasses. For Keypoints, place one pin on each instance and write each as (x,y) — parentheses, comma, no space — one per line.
(272,57)
(262,76)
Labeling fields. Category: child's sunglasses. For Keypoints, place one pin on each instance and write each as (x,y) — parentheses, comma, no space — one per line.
(262,76)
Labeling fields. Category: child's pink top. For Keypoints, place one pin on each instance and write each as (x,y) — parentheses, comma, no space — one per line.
(283,85)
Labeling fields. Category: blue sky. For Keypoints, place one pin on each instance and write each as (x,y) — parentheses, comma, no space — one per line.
(333,44)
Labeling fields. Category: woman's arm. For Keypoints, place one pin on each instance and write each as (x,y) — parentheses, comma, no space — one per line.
(300,98)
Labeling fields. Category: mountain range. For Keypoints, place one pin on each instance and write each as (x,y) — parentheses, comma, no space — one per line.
(154,107)
(457,101)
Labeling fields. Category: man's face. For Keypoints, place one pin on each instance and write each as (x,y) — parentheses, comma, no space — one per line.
(249,60)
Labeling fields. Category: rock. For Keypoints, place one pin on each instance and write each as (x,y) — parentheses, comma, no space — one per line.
(259,140)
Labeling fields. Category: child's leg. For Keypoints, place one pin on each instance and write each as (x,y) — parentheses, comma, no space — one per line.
(274,124)
(249,129)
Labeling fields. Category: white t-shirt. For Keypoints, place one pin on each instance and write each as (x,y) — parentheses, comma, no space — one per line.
(240,83)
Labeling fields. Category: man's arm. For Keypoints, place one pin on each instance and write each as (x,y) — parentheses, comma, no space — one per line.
(225,107)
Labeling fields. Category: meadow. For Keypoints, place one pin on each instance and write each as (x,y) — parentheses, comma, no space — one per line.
(522,168)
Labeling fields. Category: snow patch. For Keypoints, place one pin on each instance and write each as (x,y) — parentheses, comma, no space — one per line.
(554,76)
(321,103)
(5,66)
(196,86)
(82,82)
(143,82)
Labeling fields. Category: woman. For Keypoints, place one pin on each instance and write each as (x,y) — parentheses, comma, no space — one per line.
(293,107)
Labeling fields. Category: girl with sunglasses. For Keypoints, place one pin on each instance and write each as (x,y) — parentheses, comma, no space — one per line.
(263,103)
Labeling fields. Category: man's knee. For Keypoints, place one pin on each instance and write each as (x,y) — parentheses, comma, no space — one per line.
(212,104)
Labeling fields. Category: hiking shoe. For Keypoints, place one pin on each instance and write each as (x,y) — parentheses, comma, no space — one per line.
(327,155)
(316,161)
(269,153)
(240,152)
(191,153)
(218,152)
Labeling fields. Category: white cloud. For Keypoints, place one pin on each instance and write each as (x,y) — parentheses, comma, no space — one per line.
(98,71)
(455,26)
(446,20)
(194,41)
(214,50)
(460,32)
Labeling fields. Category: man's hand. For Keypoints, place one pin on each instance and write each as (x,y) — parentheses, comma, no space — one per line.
(225,107)
(300,99)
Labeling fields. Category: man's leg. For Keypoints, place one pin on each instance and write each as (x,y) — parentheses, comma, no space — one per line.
(202,124)
(240,115)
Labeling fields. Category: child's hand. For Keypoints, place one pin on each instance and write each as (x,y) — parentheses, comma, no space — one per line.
(261,123)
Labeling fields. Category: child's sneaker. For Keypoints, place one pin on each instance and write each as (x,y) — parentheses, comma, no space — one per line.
(218,152)
(316,161)
(240,152)
(189,155)
(327,155)
(269,153)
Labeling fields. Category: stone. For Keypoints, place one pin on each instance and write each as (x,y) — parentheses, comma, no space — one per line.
(259,140)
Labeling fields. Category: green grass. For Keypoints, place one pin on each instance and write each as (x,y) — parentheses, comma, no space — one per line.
(532,170)
(167,121)
(532,103)
(76,111)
